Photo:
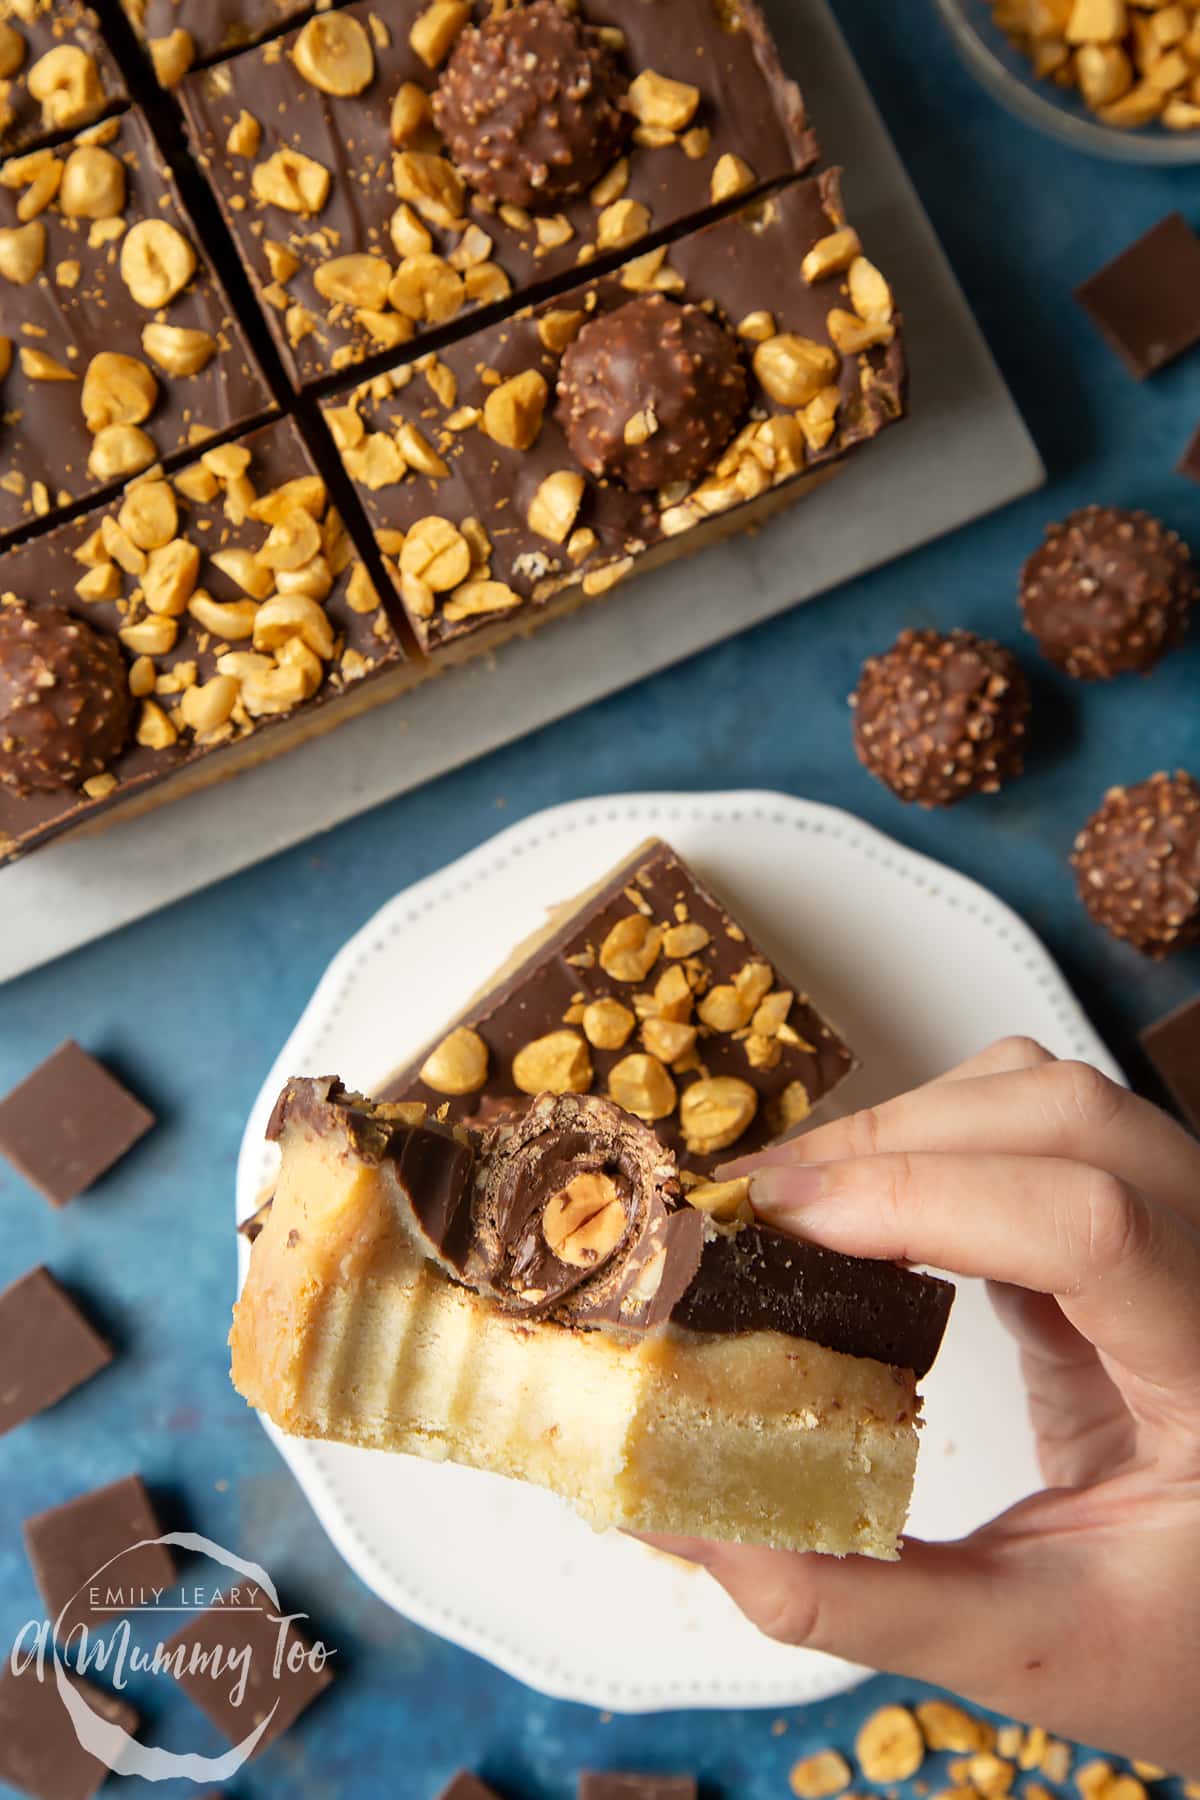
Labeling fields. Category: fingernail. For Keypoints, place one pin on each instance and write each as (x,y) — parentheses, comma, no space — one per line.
(778,1190)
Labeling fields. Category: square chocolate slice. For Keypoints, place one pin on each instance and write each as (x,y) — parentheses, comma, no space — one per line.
(646,989)
(361,233)
(56,71)
(203,621)
(96,1556)
(119,345)
(705,384)
(66,1125)
(40,1754)
(1146,302)
(285,1673)
(178,34)
(47,1348)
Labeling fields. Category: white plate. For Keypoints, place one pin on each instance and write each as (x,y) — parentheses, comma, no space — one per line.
(920,968)
(963,451)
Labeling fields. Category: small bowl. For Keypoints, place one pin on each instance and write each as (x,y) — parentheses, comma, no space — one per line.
(1008,76)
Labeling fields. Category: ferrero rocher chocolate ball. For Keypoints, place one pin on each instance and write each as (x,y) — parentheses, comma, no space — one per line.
(1137,862)
(651,393)
(1108,592)
(65,706)
(529,104)
(939,717)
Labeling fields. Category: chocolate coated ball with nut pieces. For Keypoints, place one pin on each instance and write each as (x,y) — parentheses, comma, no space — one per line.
(1137,863)
(651,393)
(529,104)
(1109,592)
(65,706)
(938,717)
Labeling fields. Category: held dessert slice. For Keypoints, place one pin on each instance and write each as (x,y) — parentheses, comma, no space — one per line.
(648,989)
(537,1298)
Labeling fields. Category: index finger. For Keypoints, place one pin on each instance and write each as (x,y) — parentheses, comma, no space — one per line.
(1125,1271)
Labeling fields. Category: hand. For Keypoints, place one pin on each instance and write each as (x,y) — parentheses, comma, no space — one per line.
(1079,1608)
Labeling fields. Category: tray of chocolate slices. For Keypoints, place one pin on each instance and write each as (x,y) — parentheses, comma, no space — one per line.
(346,346)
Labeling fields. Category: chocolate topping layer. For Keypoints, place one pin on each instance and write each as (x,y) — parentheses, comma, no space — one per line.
(552,986)
(574,1214)
(651,394)
(56,72)
(65,705)
(529,104)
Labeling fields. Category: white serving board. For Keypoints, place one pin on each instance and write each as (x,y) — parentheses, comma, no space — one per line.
(963,452)
(920,967)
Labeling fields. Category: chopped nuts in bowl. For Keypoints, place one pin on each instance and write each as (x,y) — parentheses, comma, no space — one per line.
(1115,78)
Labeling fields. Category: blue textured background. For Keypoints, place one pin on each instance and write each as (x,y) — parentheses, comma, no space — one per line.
(192,1005)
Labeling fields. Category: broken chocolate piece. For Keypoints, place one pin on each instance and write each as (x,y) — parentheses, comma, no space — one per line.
(40,1754)
(1189,462)
(651,393)
(1173,1046)
(607,1785)
(84,1558)
(529,104)
(285,1673)
(1146,302)
(65,705)
(47,1347)
(67,1124)
(465,1786)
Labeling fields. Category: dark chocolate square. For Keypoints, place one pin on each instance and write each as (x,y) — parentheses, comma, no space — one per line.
(233,1627)
(465,1786)
(1173,1046)
(66,1125)
(83,1558)
(39,1751)
(47,1347)
(747,111)
(609,1786)
(1189,462)
(1146,302)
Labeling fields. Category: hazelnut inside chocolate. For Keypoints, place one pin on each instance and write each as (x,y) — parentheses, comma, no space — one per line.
(530,106)
(650,394)
(65,706)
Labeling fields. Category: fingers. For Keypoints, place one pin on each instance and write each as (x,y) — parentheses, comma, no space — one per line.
(1061,1109)
(1083,1427)
(1000,1058)
(1125,1272)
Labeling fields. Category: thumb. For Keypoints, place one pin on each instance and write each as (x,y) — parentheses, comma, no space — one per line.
(956,1615)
